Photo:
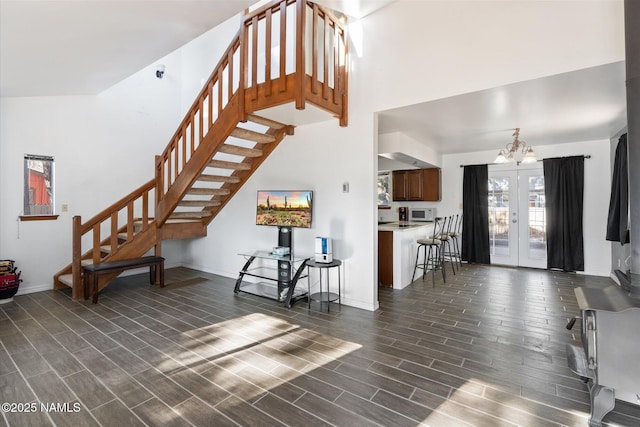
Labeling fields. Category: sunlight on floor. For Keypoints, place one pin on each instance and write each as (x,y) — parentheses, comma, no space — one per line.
(482,398)
(257,352)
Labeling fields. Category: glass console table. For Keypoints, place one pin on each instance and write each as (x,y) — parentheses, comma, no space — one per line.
(279,283)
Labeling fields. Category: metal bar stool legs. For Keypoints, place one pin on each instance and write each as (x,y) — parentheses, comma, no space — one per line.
(432,258)
(455,239)
(446,248)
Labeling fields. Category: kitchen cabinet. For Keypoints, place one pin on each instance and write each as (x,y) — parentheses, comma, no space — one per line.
(385,258)
(419,185)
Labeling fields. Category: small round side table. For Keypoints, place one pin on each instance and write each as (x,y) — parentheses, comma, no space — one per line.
(321,296)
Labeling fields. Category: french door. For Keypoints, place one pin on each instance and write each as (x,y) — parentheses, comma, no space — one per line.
(517,223)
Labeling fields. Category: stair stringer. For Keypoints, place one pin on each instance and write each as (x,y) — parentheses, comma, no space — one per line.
(215,137)
(255,163)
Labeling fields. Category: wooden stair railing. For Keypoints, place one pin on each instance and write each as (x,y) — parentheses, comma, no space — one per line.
(243,83)
(221,141)
(134,210)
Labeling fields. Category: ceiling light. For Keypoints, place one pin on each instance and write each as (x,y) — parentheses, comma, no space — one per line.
(512,148)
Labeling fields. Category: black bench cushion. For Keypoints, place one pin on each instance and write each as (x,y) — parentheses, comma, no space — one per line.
(124,263)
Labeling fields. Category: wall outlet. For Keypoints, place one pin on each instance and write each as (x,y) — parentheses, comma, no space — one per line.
(345,187)
(64,207)
(618,263)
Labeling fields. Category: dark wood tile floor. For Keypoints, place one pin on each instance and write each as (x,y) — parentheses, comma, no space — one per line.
(486,348)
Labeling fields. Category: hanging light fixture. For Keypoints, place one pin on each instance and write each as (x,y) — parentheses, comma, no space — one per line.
(508,155)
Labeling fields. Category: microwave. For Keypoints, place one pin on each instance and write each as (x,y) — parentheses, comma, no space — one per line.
(422,214)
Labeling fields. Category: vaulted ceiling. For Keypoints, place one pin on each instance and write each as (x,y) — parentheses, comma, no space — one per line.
(68,47)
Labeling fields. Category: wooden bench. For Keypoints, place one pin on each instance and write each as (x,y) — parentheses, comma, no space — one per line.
(93,271)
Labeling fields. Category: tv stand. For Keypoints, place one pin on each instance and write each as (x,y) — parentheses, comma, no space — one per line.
(279,283)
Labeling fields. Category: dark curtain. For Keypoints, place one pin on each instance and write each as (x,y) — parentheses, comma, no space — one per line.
(563,189)
(618,221)
(475,214)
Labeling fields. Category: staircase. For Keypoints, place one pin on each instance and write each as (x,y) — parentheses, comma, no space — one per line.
(222,139)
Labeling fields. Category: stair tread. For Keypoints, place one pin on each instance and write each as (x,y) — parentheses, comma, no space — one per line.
(198,214)
(265,122)
(211,191)
(66,279)
(239,151)
(223,164)
(251,135)
(202,203)
(219,178)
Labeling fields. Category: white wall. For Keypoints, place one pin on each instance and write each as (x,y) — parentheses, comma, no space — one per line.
(104,148)
(597,187)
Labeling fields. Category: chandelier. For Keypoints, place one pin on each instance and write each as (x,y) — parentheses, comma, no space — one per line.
(512,148)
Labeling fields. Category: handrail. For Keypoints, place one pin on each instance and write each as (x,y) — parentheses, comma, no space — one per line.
(120,204)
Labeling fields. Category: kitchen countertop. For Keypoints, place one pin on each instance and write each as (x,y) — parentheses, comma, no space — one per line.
(402,226)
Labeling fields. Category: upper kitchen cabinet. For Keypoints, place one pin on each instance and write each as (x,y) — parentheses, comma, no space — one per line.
(417,185)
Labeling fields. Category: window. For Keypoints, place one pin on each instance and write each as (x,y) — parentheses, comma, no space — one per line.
(384,190)
(38,188)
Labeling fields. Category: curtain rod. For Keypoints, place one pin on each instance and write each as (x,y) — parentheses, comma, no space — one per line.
(586,156)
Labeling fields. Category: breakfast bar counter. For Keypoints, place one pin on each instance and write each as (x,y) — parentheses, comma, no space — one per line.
(397,249)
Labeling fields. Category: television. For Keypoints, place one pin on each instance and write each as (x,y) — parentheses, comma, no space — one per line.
(284,208)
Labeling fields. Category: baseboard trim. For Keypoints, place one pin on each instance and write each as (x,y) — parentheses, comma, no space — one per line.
(23,290)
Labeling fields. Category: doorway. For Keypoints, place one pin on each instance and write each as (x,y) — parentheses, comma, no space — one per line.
(517,222)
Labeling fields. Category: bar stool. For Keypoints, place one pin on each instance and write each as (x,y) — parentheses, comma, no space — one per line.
(448,253)
(432,258)
(455,238)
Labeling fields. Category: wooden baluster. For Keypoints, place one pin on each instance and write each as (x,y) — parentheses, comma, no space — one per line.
(130,221)
(242,83)
(220,89)
(113,241)
(200,123)
(336,63)
(326,56)
(344,79)
(169,168)
(192,137)
(314,50)
(183,135)
(96,243)
(267,72)
(230,61)
(76,258)
(283,46)
(145,210)
(210,119)
(254,57)
(159,178)
(300,52)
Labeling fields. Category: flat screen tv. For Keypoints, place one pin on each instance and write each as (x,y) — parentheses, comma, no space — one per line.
(284,208)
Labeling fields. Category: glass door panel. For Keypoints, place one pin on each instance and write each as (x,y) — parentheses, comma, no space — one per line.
(503,237)
(533,241)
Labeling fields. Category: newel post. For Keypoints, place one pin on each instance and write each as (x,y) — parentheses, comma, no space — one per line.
(301,73)
(76,267)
